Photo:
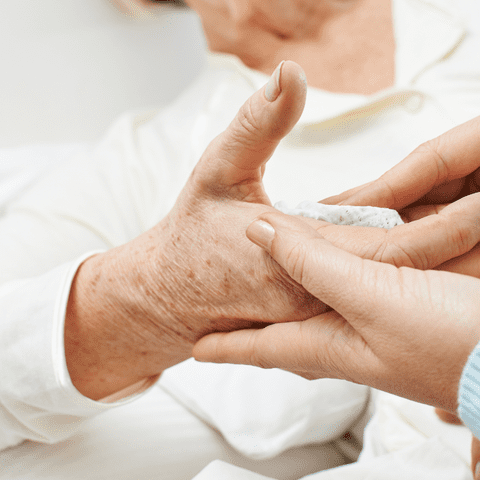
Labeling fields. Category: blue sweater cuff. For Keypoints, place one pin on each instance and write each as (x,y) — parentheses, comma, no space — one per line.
(469,393)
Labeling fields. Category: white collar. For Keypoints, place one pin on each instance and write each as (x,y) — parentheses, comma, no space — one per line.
(425,33)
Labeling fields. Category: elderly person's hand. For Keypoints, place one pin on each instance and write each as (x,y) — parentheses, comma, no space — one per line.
(388,329)
(138,308)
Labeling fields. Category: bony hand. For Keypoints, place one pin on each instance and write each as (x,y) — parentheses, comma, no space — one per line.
(401,330)
(145,303)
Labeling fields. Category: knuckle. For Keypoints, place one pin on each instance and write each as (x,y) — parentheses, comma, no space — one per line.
(461,238)
(258,357)
(295,262)
(392,251)
(432,149)
(387,191)
(248,129)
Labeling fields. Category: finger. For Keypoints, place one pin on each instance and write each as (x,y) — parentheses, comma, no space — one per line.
(338,278)
(412,214)
(238,154)
(433,234)
(314,348)
(434,239)
(453,155)
(441,194)
(466,264)
(336,199)
(476,458)
(445,193)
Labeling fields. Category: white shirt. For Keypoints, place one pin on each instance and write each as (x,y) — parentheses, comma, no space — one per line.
(129,183)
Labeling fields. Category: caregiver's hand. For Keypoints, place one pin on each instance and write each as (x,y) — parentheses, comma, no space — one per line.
(401,330)
(437,172)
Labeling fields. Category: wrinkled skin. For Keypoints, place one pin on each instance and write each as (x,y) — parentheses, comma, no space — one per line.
(195,272)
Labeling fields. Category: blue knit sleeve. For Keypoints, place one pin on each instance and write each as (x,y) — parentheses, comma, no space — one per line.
(469,393)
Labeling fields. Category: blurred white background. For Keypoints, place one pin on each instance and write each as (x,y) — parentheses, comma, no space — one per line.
(69,67)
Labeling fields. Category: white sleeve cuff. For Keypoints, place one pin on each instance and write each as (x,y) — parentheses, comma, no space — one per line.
(37,398)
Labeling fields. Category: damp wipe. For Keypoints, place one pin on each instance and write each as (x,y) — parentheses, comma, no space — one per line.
(345,214)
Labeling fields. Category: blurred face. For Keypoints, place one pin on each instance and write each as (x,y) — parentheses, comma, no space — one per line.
(289,19)
(244,27)
(343,45)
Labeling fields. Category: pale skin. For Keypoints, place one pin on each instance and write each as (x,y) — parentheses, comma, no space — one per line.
(381,312)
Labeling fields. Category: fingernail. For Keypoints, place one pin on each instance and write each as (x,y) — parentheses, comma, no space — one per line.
(262,234)
(272,89)
(477,471)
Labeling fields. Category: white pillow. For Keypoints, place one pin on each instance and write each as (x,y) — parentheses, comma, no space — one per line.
(264,412)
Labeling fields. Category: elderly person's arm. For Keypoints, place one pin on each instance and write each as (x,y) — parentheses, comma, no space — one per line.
(137,308)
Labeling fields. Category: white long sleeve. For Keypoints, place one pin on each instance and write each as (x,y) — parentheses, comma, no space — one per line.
(37,399)
(93,202)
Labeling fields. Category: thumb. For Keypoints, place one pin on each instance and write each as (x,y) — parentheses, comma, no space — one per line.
(340,279)
(238,153)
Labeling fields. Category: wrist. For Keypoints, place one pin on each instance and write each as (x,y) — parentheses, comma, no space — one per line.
(108,346)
